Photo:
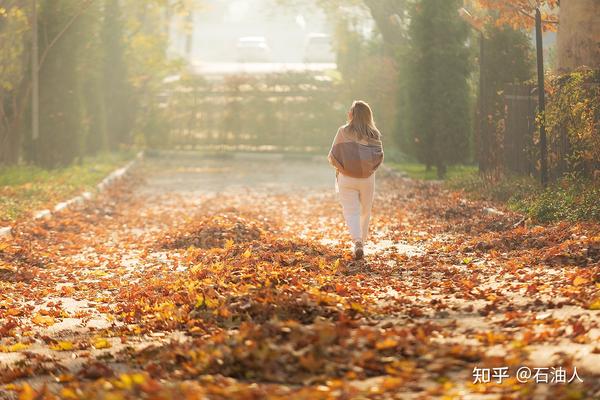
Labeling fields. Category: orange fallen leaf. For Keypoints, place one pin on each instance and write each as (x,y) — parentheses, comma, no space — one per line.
(388,343)
(43,320)
(27,393)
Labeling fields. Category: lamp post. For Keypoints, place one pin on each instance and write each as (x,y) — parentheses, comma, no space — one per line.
(483,157)
(541,94)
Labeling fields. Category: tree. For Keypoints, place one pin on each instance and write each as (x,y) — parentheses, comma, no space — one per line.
(115,85)
(439,91)
(13,80)
(95,118)
(146,42)
(518,14)
(60,97)
(390,16)
(509,59)
(579,34)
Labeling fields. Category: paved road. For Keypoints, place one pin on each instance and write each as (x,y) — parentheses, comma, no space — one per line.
(185,173)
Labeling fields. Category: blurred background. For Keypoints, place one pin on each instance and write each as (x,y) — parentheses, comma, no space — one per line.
(451,83)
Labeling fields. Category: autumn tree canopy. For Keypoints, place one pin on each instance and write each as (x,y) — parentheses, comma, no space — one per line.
(519,13)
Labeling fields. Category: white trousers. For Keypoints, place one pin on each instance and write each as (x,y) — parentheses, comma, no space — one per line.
(356,196)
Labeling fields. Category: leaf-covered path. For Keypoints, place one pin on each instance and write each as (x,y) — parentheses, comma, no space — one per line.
(231,279)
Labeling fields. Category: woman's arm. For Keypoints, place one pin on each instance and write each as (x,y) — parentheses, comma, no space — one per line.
(332,160)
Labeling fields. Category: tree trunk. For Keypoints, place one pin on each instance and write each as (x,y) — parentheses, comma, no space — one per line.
(384,13)
(579,34)
(10,140)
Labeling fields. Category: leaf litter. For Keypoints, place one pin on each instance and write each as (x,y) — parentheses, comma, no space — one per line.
(253,294)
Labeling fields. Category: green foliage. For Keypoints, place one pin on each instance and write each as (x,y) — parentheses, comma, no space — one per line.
(287,110)
(567,200)
(420,171)
(508,59)
(60,78)
(13,70)
(439,67)
(146,41)
(95,118)
(13,25)
(573,123)
(117,92)
(508,189)
(25,189)
(102,64)
(368,74)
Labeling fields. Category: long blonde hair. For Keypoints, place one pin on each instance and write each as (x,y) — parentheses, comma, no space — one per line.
(361,121)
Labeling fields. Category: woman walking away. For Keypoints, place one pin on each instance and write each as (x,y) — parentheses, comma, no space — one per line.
(356,154)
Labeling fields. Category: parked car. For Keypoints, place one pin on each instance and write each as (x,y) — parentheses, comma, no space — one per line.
(253,49)
(318,49)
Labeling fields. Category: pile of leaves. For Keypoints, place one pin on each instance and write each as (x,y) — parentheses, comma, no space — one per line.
(216,231)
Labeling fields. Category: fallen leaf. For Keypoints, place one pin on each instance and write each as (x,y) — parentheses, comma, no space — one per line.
(62,346)
(101,343)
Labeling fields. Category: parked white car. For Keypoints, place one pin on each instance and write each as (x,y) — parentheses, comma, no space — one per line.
(318,49)
(253,49)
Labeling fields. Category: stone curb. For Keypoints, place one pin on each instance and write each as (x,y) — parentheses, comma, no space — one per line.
(114,176)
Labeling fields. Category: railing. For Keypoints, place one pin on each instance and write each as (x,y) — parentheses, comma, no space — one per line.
(572,142)
(287,111)
(519,154)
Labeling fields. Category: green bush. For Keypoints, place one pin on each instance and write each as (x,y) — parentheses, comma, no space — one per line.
(569,199)
(572,116)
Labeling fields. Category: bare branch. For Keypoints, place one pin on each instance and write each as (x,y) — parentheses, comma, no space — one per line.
(84,7)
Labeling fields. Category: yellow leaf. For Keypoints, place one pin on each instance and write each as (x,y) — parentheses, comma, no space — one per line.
(12,387)
(62,346)
(14,348)
(199,301)
(228,244)
(357,307)
(595,305)
(247,253)
(127,381)
(67,393)
(211,303)
(101,343)
(138,378)
(43,320)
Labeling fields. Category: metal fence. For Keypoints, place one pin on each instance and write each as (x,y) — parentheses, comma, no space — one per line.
(278,111)
(519,155)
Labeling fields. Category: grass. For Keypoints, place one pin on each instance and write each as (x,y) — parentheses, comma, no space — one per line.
(25,189)
(419,171)
(568,199)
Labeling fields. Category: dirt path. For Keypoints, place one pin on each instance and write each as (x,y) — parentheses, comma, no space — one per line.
(231,279)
